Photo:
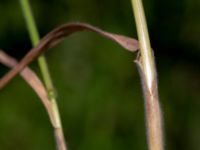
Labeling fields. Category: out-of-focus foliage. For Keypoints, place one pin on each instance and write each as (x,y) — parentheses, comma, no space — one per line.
(98,86)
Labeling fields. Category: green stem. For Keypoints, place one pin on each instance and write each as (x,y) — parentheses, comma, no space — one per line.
(148,75)
(34,36)
(145,47)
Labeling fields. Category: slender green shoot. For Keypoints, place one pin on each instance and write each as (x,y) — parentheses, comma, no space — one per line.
(34,36)
(148,76)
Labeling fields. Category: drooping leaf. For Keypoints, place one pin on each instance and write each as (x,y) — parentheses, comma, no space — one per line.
(55,36)
(32,79)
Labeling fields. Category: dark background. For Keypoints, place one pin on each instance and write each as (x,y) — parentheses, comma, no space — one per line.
(97,83)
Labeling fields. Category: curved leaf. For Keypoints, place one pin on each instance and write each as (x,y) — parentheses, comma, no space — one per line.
(57,35)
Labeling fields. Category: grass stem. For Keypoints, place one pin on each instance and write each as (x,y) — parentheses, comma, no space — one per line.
(34,36)
(148,76)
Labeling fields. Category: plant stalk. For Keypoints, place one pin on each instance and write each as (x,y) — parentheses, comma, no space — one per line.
(34,36)
(147,70)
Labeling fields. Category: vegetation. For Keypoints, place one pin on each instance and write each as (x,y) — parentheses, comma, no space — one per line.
(98,89)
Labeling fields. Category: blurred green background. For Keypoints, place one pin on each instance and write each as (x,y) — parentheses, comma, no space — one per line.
(97,83)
